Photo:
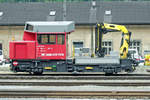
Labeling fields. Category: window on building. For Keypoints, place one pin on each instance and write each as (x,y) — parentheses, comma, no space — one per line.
(136,44)
(107,45)
(78,44)
(0,46)
(0,52)
(52,13)
(77,48)
(60,39)
(1,14)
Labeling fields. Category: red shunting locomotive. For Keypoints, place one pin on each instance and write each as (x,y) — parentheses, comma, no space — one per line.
(43,47)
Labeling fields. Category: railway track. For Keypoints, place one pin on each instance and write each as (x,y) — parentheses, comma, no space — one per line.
(70,80)
(76,77)
(122,84)
(54,83)
(29,94)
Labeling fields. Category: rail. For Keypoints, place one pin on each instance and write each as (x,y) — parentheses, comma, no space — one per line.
(77,77)
(121,84)
(59,94)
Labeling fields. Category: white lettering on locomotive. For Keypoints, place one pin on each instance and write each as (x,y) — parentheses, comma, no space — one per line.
(52,54)
(42,54)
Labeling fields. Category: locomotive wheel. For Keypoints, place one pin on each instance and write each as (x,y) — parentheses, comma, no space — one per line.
(38,72)
(31,73)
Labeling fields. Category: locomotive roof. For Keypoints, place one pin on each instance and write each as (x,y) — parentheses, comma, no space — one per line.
(50,26)
(40,23)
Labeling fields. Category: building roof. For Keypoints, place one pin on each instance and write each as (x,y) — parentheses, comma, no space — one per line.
(80,12)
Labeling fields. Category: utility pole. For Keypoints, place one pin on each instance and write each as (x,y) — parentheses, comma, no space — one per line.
(64,10)
(92,19)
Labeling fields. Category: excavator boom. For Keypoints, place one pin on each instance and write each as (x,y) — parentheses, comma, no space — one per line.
(105,28)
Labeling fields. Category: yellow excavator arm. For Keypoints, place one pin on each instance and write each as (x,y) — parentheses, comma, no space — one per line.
(105,28)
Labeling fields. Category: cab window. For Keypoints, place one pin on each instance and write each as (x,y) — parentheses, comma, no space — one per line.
(29,27)
(46,39)
(52,39)
(60,39)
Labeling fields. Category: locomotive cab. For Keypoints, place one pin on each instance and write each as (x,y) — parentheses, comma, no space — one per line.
(50,41)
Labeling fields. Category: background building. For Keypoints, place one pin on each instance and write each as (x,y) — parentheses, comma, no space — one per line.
(134,15)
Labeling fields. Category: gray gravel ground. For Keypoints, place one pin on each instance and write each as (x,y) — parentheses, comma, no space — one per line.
(49,99)
(142,70)
(62,99)
(5,68)
(70,80)
(74,88)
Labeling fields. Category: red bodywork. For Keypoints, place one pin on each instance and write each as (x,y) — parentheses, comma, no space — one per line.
(29,48)
(22,50)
